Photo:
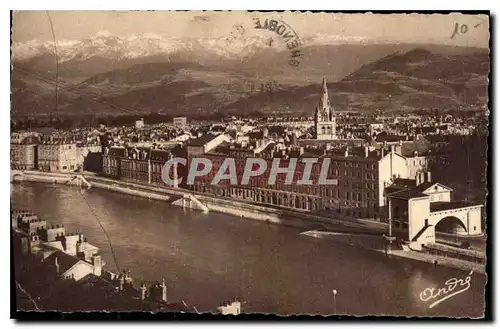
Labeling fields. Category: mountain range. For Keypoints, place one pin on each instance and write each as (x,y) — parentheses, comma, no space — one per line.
(148,74)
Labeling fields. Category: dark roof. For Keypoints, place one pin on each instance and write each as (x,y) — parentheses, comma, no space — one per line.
(278,130)
(64,260)
(385,137)
(96,282)
(404,182)
(159,155)
(355,152)
(116,151)
(426,129)
(218,128)
(201,141)
(439,206)
(422,146)
(409,193)
(256,134)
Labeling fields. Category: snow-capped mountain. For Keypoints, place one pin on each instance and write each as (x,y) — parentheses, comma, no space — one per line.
(109,46)
(104,44)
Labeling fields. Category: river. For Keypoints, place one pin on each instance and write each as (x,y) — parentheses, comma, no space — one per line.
(207,259)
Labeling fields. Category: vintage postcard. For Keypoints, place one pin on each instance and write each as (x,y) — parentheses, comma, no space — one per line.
(250,162)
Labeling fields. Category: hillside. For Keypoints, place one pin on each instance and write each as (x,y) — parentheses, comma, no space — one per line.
(389,77)
(417,79)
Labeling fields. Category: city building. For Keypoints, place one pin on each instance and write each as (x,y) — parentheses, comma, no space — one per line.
(58,156)
(230,308)
(421,208)
(362,175)
(139,124)
(70,255)
(180,122)
(138,164)
(205,143)
(23,150)
(23,155)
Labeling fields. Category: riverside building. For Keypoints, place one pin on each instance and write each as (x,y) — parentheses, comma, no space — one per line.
(58,156)
(361,174)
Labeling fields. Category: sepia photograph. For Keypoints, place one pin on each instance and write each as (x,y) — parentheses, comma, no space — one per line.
(233,163)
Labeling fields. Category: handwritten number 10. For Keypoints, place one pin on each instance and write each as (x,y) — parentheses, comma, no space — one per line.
(460,29)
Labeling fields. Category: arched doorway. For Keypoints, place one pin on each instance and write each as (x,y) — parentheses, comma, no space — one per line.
(451,224)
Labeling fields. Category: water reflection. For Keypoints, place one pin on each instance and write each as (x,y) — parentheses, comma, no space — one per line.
(210,258)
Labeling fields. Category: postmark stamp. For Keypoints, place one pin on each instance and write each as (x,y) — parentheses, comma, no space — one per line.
(284,32)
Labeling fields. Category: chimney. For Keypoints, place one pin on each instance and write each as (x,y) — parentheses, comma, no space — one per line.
(144,289)
(163,290)
(429,180)
(366,151)
(96,261)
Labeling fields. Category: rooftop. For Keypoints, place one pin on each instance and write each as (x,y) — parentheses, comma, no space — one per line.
(405,192)
(201,141)
(64,260)
(440,206)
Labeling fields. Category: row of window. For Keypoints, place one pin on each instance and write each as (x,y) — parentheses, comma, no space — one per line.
(139,166)
(359,185)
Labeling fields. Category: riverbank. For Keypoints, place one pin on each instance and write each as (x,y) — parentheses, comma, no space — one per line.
(273,215)
(242,209)
(377,243)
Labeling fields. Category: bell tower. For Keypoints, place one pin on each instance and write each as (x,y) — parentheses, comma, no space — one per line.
(324,118)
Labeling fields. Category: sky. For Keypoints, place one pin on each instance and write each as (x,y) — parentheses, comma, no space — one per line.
(400,28)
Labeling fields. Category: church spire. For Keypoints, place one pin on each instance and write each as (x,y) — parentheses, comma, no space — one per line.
(324,108)
(325,123)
